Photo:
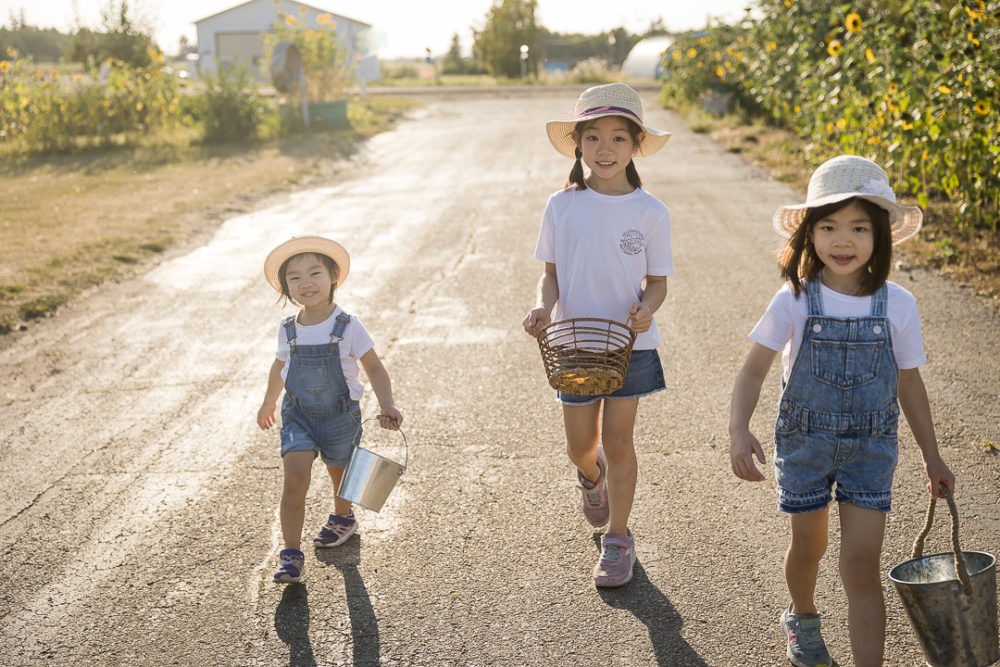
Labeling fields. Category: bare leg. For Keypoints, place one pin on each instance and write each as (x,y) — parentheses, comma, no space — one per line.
(340,506)
(809,538)
(582,423)
(862,530)
(616,435)
(298,469)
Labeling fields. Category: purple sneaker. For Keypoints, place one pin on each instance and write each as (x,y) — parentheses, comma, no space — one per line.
(594,495)
(336,531)
(617,558)
(291,568)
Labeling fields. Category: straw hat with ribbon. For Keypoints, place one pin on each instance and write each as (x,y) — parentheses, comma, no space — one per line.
(844,177)
(611,99)
(302,244)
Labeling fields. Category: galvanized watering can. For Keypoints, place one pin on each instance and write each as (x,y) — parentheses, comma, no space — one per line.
(951,599)
(370,478)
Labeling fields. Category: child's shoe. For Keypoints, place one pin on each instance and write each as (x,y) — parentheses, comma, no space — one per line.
(594,495)
(291,568)
(336,531)
(617,558)
(805,645)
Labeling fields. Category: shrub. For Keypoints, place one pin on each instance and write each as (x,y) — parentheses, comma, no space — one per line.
(230,108)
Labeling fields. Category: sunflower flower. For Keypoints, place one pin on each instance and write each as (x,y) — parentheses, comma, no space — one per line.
(869,55)
(982,107)
(834,47)
(853,22)
(944,90)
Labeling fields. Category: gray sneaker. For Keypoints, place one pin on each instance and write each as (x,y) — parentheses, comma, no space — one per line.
(805,645)
(594,495)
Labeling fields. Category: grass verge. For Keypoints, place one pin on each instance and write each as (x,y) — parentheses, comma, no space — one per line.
(69,222)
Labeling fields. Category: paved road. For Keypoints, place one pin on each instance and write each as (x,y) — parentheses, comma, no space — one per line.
(138,499)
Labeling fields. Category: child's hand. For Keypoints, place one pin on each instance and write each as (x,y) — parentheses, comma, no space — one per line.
(639,317)
(742,448)
(390,418)
(265,416)
(938,475)
(536,319)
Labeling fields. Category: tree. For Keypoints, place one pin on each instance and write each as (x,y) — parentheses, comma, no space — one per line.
(453,61)
(509,24)
(120,37)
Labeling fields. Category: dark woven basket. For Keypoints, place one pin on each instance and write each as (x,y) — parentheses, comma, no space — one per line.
(586,356)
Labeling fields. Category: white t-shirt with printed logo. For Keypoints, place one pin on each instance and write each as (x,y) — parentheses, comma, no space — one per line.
(603,246)
(357,341)
(783,324)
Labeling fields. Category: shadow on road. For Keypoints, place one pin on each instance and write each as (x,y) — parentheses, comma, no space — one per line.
(364,624)
(291,622)
(649,605)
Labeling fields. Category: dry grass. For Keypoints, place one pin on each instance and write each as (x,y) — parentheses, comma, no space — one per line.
(68,222)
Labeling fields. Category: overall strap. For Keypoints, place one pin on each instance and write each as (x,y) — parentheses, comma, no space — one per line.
(813,288)
(289,325)
(880,301)
(338,329)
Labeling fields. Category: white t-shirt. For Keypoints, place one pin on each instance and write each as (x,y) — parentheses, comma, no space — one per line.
(782,326)
(603,246)
(356,342)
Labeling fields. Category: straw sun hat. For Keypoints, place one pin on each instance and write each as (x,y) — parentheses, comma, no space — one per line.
(611,99)
(849,176)
(300,244)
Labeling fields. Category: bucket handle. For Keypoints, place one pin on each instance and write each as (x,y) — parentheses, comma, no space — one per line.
(406,447)
(918,545)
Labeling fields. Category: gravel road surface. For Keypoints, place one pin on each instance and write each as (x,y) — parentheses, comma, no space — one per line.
(138,521)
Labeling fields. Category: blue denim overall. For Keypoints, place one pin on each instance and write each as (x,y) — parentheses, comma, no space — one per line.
(317,412)
(838,415)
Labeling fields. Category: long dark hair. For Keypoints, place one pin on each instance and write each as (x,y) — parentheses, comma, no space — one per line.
(575,178)
(798,260)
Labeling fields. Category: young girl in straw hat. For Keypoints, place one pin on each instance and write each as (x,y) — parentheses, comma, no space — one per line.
(606,246)
(319,351)
(851,346)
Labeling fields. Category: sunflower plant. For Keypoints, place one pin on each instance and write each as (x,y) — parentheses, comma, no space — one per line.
(914,85)
(328,70)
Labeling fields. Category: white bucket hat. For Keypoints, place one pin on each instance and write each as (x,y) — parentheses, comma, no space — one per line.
(610,99)
(301,244)
(847,176)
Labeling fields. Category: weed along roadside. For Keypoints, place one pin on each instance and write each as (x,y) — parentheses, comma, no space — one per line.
(71,221)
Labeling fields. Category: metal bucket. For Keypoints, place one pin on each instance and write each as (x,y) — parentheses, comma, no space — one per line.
(370,478)
(951,600)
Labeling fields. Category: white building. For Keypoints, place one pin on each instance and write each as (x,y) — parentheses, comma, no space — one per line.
(234,36)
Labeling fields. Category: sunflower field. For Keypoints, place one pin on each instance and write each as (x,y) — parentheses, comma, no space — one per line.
(912,84)
(44,110)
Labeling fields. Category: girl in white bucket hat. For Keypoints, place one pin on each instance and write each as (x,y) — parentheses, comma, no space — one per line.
(320,352)
(605,243)
(851,349)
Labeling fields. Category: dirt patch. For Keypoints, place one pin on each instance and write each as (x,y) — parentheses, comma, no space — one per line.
(971,258)
(69,222)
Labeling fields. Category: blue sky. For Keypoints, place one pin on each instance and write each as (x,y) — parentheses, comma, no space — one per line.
(402,27)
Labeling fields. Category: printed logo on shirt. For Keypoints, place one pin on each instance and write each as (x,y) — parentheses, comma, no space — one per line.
(632,242)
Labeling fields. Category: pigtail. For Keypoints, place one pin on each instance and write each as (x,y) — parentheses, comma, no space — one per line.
(575,177)
(632,175)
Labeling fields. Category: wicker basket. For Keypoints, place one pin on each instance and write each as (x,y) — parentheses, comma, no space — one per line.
(586,356)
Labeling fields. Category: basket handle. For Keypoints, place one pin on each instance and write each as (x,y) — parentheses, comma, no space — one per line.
(406,447)
(918,545)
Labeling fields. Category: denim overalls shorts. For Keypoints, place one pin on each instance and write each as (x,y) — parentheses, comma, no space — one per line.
(317,413)
(838,415)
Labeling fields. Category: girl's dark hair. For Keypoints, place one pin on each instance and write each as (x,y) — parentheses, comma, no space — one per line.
(326,260)
(798,260)
(575,178)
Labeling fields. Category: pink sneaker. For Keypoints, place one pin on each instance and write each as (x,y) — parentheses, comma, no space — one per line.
(594,495)
(617,558)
